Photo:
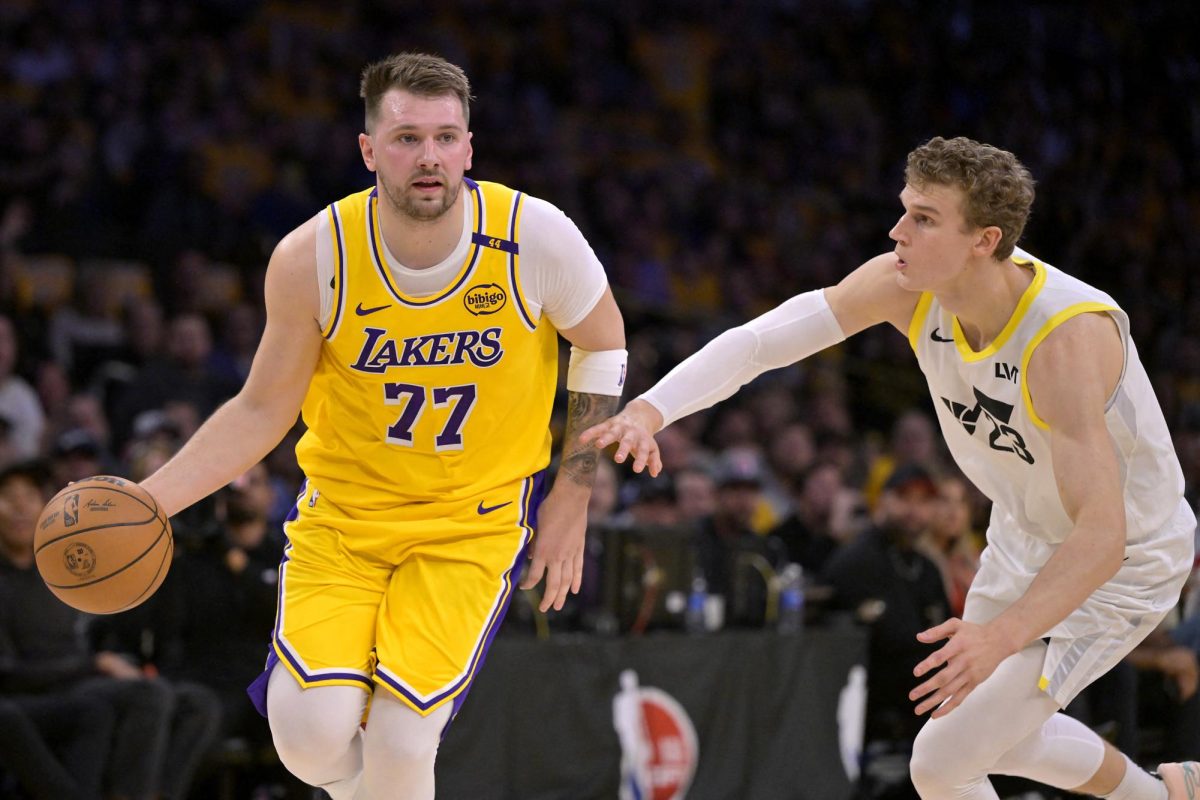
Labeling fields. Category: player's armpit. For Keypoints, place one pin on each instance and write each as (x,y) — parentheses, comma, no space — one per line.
(870,295)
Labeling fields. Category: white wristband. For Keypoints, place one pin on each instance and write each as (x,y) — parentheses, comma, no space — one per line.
(597,372)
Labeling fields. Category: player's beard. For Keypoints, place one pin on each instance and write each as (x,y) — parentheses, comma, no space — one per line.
(416,209)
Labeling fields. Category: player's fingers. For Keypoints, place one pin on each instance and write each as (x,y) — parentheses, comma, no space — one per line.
(938,632)
(936,659)
(655,461)
(628,443)
(947,691)
(577,582)
(565,581)
(591,433)
(534,573)
(955,701)
(550,595)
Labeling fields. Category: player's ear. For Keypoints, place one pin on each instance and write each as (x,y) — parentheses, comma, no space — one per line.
(987,239)
(368,150)
(470,150)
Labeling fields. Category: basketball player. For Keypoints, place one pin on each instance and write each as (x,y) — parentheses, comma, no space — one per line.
(1046,407)
(416,324)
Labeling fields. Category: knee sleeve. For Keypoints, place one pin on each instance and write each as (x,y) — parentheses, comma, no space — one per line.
(1064,753)
(316,731)
(953,755)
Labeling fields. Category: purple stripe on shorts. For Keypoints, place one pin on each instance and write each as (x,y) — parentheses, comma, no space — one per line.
(258,689)
(529,510)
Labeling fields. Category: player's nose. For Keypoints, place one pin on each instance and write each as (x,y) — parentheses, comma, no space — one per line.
(429,156)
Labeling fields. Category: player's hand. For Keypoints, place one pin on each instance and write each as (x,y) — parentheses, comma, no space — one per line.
(116,666)
(633,431)
(971,655)
(1179,663)
(558,547)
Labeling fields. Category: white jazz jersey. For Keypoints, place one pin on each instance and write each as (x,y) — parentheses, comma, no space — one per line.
(987,418)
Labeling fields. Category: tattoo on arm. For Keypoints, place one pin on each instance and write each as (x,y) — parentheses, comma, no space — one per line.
(584,411)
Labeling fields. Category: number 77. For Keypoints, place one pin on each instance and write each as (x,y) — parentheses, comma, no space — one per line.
(412,397)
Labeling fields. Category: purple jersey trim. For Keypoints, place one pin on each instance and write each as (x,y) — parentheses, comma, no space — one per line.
(340,298)
(512,264)
(381,264)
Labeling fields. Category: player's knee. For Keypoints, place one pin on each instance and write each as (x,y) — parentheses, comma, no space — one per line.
(406,747)
(943,764)
(926,773)
(308,748)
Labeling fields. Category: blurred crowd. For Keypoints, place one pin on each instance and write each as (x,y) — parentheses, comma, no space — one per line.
(720,156)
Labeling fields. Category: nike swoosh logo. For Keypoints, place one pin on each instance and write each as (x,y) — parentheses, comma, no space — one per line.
(934,335)
(489,509)
(362,312)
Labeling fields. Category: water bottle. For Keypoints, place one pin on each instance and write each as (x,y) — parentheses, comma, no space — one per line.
(693,615)
(791,599)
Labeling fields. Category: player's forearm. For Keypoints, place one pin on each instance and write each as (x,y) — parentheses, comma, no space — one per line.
(789,333)
(1088,557)
(237,436)
(577,470)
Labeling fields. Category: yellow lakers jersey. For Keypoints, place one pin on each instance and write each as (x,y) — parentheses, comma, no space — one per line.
(421,399)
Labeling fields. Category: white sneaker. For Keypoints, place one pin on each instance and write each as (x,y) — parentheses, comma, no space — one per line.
(1182,779)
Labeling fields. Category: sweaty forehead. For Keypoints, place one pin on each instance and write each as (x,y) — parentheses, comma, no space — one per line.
(401,109)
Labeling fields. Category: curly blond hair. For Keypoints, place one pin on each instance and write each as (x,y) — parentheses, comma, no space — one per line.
(998,189)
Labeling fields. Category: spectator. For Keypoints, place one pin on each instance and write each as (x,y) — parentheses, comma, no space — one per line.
(1168,660)
(738,563)
(184,375)
(823,517)
(220,607)
(951,543)
(885,581)
(19,404)
(44,648)
(696,493)
(914,441)
(55,745)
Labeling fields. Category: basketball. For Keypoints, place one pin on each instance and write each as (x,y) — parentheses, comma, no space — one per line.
(102,545)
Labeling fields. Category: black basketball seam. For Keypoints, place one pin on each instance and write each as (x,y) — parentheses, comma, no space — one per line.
(117,572)
(135,601)
(105,526)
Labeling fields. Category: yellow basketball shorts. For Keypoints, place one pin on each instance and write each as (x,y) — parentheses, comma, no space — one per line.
(409,599)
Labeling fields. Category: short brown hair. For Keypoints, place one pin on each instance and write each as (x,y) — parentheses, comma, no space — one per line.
(422,74)
(998,187)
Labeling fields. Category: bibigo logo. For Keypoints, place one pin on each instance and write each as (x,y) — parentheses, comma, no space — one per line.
(485,298)
(659,752)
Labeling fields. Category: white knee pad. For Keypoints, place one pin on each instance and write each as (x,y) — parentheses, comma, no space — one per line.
(316,731)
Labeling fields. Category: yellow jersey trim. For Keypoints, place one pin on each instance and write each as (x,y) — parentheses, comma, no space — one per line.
(375,237)
(1052,323)
(918,319)
(1030,294)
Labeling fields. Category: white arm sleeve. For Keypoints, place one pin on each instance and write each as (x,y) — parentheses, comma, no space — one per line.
(784,335)
(560,274)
